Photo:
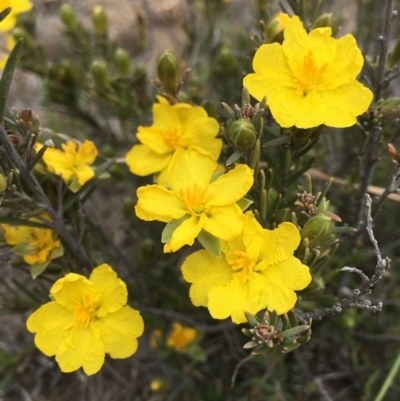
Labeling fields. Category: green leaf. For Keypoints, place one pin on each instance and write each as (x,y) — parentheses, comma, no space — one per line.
(4,13)
(171,227)
(195,351)
(343,230)
(15,221)
(215,175)
(234,157)
(277,142)
(295,330)
(244,203)
(37,268)
(210,243)
(7,76)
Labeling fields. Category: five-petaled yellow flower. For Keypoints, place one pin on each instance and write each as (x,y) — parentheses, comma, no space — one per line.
(310,79)
(86,319)
(257,270)
(199,204)
(72,163)
(37,246)
(181,337)
(177,126)
(17,7)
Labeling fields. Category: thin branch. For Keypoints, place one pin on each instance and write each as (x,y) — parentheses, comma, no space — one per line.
(354,301)
(58,225)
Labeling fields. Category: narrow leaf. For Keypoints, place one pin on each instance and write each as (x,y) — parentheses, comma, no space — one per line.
(210,243)
(234,157)
(171,227)
(278,141)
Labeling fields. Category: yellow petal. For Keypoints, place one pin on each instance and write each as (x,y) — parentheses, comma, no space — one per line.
(225,222)
(144,161)
(165,116)
(345,103)
(292,108)
(82,348)
(323,46)
(229,188)
(253,237)
(71,288)
(52,323)
(345,66)
(158,203)
(87,152)
(112,290)
(236,297)
(205,271)
(272,72)
(154,140)
(119,330)
(282,280)
(193,165)
(280,243)
(188,114)
(186,233)
(83,173)
(18,234)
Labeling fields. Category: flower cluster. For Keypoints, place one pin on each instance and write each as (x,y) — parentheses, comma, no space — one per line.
(86,319)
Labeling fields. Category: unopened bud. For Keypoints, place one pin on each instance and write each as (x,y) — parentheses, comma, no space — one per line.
(317,229)
(242,134)
(21,33)
(100,22)
(100,73)
(275,27)
(169,71)
(326,21)
(68,17)
(316,286)
(123,63)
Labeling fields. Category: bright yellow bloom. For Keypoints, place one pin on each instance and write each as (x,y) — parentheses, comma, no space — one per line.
(10,43)
(310,79)
(36,245)
(181,336)
(199,204)
(87,319)
(257,270)
(177,126)
(18,7)
(72,163)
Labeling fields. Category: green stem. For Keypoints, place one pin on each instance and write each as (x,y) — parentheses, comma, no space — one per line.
(389,379)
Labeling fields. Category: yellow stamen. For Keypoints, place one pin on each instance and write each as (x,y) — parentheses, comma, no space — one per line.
(312,75)
(193,197)
(241,260)
(84,312)
(171,138)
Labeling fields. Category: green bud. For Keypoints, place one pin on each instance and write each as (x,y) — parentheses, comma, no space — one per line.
(169,71)
(68,17)
(99,19)
(100,73)
(326,21)
(275,27)
(317,229)
(242,134)
(225,62)
(123,63)
(21,33)
(3,183)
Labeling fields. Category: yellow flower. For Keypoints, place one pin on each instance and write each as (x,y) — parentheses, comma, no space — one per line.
(17,7)
(310,79)
(36,245)
(72,163)
(177,126)
(10,42)
(87,319)
(181,337)
(257,270)
(199,204)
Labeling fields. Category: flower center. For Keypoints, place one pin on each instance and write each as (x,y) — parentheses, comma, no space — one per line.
(311,76)
(241,260)
(84,311)
(171,138)
(193,197)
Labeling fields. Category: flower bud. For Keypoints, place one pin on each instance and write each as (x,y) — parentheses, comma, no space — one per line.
(225,61)
(169,71)
(100,73)
(326,21)
(242,134)
(317,229)
(275,27)
(3,183)
(123,63)
(99,19)
(21,33)
(68,17)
